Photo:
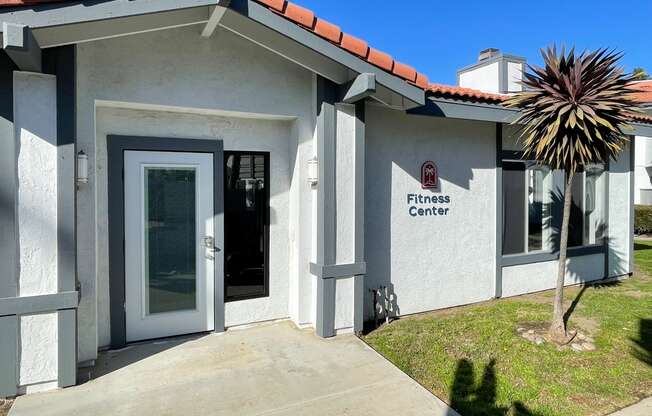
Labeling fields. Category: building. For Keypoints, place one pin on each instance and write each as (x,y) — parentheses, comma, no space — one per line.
(643,163)
(171,167)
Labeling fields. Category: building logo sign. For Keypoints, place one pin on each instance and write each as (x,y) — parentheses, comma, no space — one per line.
(429,177)
(428,204)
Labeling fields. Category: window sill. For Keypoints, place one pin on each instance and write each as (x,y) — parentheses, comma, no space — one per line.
(543,256)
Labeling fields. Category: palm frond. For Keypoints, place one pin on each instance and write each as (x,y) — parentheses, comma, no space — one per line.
(574,108)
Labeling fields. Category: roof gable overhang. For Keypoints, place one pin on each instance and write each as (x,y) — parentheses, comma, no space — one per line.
(56,24)
(462,109)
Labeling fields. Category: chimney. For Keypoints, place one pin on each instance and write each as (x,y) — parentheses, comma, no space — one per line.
(495,72)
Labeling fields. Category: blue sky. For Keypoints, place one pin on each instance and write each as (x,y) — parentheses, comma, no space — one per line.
(437,37)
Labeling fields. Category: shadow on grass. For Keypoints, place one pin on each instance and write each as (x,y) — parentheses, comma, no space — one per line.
(471,400)
(643,345)
(639,246)
(576,301)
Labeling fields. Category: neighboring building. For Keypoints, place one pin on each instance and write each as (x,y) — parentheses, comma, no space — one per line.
(181,166)
(643,168)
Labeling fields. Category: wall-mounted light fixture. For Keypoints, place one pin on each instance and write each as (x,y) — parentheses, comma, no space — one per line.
(82,167)
(313,171)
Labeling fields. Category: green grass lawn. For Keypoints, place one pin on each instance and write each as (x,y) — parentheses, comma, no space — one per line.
(473,358)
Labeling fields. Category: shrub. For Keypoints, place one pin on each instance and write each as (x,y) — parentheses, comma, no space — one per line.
(643,219)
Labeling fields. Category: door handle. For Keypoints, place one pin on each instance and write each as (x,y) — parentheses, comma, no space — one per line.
(209,243)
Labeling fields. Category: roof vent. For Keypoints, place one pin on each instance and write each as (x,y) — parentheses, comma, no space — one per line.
(488,53)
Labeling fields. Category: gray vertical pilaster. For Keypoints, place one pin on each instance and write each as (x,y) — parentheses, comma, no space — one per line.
(8,180)
(61,63)
(8,355)
(498,289)
(8,249)
(326,94)
(632,190)
(67,340)
(605,241)
(218,225)
(359,187)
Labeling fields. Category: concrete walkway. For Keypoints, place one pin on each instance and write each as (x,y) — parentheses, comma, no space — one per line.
(642,408)
(272,369)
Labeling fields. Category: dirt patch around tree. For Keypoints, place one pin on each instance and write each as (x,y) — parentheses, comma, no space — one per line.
(5,405)
(537,333)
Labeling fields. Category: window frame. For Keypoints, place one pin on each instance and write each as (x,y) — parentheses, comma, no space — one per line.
(530,166)
(266,245)
(551,253)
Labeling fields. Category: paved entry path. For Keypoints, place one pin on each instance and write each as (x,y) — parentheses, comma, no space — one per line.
(271,369)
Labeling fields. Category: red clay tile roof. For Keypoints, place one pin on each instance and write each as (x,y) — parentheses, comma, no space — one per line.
(644,93)
(332,33)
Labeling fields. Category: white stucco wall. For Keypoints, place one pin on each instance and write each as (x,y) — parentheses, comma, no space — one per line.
(344,213)
(179,68)
(534,277)
(237,134)
(439,261)
(621,215)
(643,157)
(514,76)
(485,78)
(35,121)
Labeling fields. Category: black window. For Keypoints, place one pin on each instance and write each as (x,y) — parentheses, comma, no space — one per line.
(246,225)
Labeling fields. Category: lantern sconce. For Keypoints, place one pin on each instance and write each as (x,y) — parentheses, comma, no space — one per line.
(82,168)
(313,171)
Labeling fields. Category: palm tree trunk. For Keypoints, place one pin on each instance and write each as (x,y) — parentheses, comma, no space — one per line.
(558,327)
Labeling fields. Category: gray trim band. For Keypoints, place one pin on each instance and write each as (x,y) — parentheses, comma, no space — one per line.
(519,259)
(29,305)
(496,58)
(441,107)
(116,145)
(333,271)
(46,15)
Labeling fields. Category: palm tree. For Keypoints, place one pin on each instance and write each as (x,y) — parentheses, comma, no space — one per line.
(573,111)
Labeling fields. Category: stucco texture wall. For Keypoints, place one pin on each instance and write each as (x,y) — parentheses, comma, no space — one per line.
(35,119)
(429,262)
(534,277)
(232,88)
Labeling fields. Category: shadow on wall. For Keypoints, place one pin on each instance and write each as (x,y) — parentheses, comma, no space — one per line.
(470,399)
(394,155)
(643,345)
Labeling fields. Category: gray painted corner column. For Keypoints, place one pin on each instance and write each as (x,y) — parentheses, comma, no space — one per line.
(326,267)
(498,289)
(8,182)
(632,190)
(359,196)
(61,62)
(326,94)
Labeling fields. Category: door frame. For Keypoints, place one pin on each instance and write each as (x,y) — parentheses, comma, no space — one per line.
(116,146)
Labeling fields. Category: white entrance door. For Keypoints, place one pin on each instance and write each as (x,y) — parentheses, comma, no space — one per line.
(169,243)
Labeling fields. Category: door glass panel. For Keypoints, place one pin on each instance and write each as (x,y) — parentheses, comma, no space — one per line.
(170,240)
